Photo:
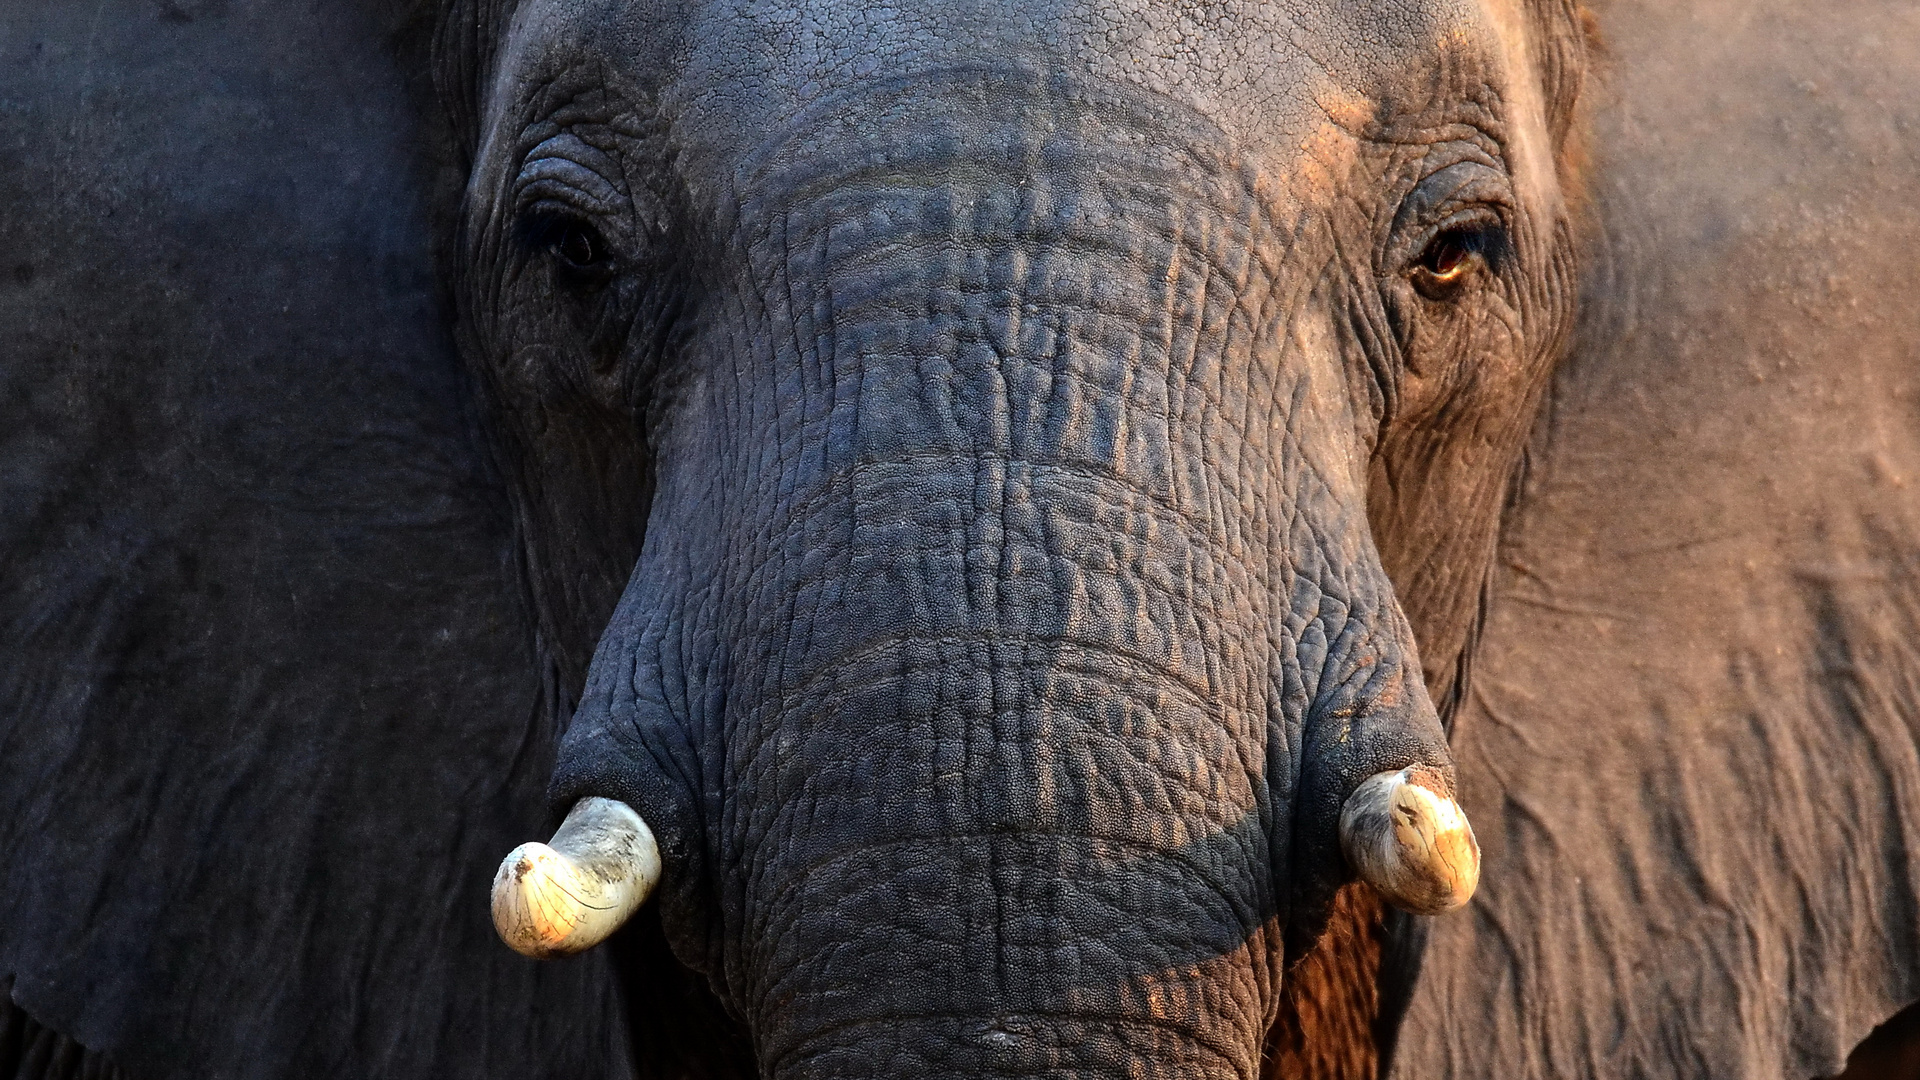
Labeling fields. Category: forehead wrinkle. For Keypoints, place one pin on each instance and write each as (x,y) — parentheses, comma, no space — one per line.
(1279,78)
(541,37)
(1264,70)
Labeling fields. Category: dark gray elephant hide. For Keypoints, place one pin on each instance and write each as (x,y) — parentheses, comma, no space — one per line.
(268,706)
(284,649)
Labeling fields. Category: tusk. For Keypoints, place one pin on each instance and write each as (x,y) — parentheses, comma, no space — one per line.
(557,899)
(1407,838)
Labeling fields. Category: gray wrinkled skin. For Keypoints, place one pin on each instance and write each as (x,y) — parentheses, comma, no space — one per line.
(1012,386)
(268,705)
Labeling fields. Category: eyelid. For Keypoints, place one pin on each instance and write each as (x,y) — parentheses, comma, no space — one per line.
(1462,194)
(1479,214)
(1461,183)
(565,169)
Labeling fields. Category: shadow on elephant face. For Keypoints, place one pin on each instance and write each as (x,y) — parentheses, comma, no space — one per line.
(1010,423)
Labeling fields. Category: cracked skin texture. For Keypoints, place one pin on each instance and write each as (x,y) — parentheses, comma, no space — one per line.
(1048,455)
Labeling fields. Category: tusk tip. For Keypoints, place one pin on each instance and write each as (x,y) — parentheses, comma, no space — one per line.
(560,899)
(532,910)
(1407,837)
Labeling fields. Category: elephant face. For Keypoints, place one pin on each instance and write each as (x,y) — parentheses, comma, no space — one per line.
(1010,415)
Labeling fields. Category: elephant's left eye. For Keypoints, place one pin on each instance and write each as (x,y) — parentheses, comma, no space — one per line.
(1452,259)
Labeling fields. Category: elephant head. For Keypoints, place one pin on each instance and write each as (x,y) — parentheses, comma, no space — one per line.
(1015,420)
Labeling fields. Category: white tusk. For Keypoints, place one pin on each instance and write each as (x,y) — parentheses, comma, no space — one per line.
(1411,841)
(557,899)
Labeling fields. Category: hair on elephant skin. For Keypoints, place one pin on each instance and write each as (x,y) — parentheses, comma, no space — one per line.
(985,482)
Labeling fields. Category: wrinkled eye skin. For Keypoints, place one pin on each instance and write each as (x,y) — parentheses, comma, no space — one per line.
(1476,290)
(1447,274)
(573,299)
(584,235)
(582,294)
(1452,310)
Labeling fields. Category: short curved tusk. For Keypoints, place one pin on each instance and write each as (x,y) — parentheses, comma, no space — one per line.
(1409,840)
(557,899)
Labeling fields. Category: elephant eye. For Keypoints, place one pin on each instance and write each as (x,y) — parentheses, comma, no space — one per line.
(580,255)
(580,247)
(1451,260)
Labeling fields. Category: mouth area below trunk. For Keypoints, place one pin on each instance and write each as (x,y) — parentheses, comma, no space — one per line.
(1013,1044)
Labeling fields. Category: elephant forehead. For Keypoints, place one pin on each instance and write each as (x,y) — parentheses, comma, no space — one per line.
(1269,72)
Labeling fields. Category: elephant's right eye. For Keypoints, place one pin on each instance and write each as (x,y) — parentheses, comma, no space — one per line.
(579,247)
(580,255)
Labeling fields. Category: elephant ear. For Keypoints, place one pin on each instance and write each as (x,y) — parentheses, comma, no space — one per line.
(1690,740)
(268,702)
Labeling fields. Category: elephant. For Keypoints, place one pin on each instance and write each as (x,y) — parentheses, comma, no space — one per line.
(1009,676)
(954,489)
